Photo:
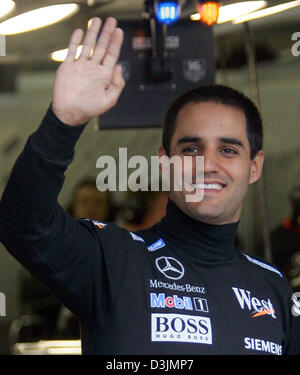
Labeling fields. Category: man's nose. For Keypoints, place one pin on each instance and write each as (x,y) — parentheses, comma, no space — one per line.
(210,162)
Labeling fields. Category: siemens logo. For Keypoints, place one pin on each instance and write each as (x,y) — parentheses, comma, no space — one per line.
(182,303)
(181,328)
(262,345)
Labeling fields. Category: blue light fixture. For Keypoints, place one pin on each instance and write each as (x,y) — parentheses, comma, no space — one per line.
(167,11)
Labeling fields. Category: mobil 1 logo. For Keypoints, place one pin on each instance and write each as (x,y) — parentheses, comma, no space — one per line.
(174,302)
(180,328)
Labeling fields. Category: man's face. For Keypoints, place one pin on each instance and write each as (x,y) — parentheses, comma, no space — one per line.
(217,132)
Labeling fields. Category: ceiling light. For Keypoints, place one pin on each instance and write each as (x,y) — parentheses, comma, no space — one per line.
(6,6)
(61,54)
(267,11)
(37,18)
(232,11)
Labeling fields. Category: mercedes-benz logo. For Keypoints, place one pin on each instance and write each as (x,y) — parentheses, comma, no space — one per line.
(170,267)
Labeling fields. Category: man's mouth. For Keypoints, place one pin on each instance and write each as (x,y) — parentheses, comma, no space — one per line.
(206,189)
(210,186)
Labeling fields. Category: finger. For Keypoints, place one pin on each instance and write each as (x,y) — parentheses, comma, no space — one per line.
(90,38)
(117,77)
(113,50)
(75,41)
(117,84)
(103,42)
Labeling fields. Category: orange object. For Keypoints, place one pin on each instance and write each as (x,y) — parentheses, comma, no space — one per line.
(263,312)
(209,11)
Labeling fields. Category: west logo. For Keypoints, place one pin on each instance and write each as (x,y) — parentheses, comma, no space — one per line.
(182,303)
(257,306)
(181,328)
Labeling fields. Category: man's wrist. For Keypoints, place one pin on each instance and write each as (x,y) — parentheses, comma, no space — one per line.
(55,139)
(68,118)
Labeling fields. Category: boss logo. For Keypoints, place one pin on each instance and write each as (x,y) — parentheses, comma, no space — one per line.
(181,328)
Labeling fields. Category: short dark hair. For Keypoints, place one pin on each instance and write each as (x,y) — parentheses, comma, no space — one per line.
(221,95)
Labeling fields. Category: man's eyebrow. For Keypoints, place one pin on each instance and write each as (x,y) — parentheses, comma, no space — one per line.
(195,139)
(188,139)
(231,141)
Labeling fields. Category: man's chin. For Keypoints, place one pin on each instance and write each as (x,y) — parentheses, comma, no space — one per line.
(200,211)
(205,215)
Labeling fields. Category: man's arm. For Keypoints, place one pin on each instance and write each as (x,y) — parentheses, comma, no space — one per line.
(54,247)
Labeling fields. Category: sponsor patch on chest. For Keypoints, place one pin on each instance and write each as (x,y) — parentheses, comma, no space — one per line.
(181,328)
(258,307)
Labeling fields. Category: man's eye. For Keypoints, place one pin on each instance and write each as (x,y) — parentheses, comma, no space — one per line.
(190,149)
(229,151)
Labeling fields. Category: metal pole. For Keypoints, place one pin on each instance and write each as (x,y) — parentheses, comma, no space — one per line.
(250,50)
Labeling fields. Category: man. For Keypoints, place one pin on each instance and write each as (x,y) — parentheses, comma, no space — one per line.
(180,287)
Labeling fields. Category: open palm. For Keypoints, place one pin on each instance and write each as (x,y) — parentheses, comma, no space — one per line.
(91,85)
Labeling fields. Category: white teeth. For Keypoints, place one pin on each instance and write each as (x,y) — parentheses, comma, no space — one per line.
(209,186)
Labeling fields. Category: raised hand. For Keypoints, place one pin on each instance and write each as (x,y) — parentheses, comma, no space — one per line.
(91,85)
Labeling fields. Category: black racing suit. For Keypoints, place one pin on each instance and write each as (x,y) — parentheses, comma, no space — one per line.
(180,287)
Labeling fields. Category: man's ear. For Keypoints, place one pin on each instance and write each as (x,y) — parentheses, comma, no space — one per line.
(256,167)
(161,152)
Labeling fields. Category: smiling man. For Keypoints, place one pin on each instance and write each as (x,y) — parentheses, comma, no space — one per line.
(211,122)
(181,286)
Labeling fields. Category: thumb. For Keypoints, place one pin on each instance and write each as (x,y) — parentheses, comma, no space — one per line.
(117,81)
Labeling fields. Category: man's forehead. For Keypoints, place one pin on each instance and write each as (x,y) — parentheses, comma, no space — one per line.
(209,121)
(212,117)
(203,107)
